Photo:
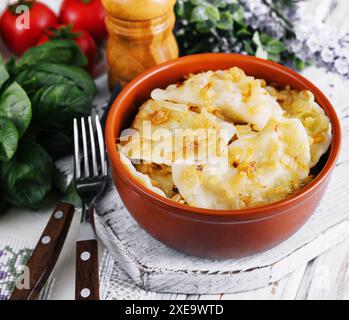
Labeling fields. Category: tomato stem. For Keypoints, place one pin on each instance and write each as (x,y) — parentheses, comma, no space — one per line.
(86,1)
(63,32)
(13,7)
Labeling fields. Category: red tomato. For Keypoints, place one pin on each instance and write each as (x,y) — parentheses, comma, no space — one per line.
(81,37)
(15,36)
(86,15)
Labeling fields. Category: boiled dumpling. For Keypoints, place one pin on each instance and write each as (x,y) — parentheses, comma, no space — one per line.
(302,105)
(164,132)
(264,167)
(237,97)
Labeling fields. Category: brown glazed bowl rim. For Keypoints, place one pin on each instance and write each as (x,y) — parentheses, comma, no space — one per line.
(260,212)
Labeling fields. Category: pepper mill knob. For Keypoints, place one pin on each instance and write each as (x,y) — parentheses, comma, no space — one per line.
(140,36)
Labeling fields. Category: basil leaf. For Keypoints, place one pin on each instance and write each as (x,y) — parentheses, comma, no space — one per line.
(55,51)
(46,74)
(8,139)
(15,105)
(55,106)
(57,143)
(26,178)
(3,72)
(3,205)
(71,196)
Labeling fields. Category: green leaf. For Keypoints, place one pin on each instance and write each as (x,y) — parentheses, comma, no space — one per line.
(3,72)
(26,178)
(226,21)
(198,14)
(46,74)
(11,66)
(265,38)
(55,106)
(243,33)
(256,39)
(197,2)
(260,52)
(238,16)
(55,51)
(3,205)
(248,47)
(204,26)
(299,64)
(221,3)
(212,13)
(8,139)
(274,56)
(57,143)
(15,105)
(275,46)
(71,196)
(180,8)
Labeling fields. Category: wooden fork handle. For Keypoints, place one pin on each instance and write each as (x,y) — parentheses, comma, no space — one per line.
(45,254)
(86,277)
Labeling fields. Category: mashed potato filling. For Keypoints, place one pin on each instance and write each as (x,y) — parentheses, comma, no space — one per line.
(224,140)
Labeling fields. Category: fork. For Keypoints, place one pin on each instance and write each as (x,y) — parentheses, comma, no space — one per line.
(90,174)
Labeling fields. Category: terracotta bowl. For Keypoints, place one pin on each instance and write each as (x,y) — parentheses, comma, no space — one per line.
(206,232)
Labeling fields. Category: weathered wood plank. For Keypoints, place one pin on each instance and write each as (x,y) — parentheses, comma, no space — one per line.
(327,277)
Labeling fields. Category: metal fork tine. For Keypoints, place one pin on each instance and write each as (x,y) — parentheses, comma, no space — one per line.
(101,146)
(76,150)
(93,148)
(84,144)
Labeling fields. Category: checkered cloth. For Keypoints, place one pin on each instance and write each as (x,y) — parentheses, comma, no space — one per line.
(14,255)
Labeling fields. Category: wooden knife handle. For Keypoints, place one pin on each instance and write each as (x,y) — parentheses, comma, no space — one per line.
(45,254)
(86,277)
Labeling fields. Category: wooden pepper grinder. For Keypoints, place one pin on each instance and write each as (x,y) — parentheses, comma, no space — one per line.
(140,36)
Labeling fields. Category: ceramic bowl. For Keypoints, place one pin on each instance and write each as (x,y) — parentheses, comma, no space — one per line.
(206,232)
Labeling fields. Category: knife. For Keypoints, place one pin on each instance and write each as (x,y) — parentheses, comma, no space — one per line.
(47,250)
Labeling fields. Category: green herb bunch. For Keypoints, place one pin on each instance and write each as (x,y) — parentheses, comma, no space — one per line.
(39,97)
(221,26)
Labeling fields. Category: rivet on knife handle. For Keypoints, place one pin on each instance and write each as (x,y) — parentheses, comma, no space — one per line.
(46,253)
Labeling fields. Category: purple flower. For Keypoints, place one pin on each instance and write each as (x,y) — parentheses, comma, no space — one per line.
(3,275)
(3,297)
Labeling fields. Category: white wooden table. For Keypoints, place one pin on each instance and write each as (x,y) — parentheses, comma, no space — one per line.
(326,277)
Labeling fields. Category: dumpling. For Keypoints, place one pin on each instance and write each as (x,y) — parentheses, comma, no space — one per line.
(302,105)
(160,176)
(140,177)
(164,132)
(239,98)
(263,167)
